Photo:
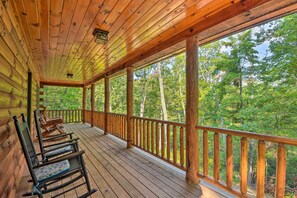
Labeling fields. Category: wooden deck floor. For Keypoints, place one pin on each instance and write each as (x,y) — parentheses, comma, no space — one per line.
(118,172)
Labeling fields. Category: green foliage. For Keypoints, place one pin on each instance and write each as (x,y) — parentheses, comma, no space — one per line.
(62,98)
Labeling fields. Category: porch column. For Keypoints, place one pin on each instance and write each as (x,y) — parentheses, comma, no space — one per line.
(84,104)
(106,103)
(129,107)
(92,103)
(192,110)
(29,99)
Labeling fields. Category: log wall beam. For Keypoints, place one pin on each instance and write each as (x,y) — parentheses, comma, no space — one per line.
(192,110)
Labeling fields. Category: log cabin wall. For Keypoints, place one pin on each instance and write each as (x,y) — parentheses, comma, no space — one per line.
(15,62)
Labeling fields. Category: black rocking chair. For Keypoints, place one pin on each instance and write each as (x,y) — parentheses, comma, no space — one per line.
(45,174)
(53,150)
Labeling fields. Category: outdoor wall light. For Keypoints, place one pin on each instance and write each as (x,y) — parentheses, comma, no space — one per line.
(100,36)
(69,75)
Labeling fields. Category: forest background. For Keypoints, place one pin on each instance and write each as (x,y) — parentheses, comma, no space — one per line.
(247,82)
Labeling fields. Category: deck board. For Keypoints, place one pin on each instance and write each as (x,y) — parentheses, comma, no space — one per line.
(120,172)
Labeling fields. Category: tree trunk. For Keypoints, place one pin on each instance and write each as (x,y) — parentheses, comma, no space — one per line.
(221,118)
(162,96)
(180,90)
(250,163)
(240,94)
(143,99)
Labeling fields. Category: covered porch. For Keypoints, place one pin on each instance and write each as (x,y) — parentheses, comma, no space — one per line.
(120,172)
(51,43)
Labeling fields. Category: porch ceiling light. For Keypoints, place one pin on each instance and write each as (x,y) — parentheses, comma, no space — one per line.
(69,75)
(100,36)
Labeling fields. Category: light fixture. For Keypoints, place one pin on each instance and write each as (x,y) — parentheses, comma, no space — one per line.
(69,75)
(100,36)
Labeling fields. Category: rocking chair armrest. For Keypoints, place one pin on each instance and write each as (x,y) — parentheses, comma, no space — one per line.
(65,157)
(59,143)
(61,146)
(57,136)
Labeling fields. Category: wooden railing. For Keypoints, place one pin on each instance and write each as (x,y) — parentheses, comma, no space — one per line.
(69,116)
(245,137)
(117,125)
(88,116)
(167,141)
(163,139)
(99,119)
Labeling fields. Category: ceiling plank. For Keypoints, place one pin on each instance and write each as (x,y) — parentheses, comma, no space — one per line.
(169,37)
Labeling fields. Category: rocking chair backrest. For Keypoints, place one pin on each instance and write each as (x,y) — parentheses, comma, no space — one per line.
(39,132)
(27,144)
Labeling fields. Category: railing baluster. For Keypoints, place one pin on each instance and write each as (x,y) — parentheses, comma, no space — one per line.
(73,116)
(137,132)
(141,133)
(162,141)
(174,145)
(168,141)
(229,163)
(148,135)
(124,128)
(152,137)
(216,166)
(244,167)
(205,153)
(281,171)
(144,135)
(181,148)
(261,165)
(157,139)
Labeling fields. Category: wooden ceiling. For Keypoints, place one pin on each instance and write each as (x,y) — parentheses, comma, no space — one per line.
(59,32)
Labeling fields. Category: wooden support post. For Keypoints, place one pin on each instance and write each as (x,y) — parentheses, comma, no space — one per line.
(192,110)
(92,103)
(41,97)
(261,166)
(29,99)
(106,103)
(281,171)
(129,107)
(244,167)
(84,104)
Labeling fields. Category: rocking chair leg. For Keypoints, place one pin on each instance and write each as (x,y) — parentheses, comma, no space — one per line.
(86,175)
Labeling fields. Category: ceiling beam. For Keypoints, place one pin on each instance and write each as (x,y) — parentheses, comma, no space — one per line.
(61,84)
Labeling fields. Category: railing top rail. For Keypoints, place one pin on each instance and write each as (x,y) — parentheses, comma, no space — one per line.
(98,111)
(251,135)
(63,110)
(118,114)
(160,121)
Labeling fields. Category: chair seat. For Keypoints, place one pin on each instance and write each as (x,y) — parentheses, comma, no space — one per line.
(59,151)
(51,170)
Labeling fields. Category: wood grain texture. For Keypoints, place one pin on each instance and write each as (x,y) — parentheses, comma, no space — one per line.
(15,62)
(119,172)
(192,109)
(129,107)
(56,36)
